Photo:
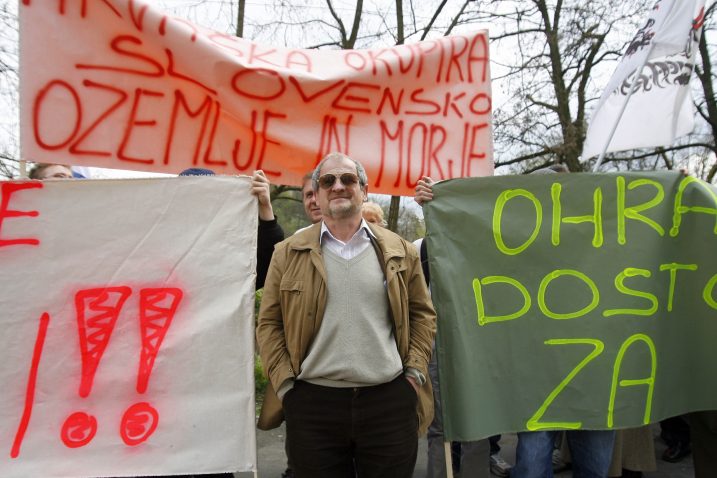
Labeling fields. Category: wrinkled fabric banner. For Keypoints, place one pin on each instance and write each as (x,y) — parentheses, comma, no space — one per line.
(118,84)
(127,315)
(660,108)
(573,301)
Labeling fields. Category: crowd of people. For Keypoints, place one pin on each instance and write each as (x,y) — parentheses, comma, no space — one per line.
(346,332)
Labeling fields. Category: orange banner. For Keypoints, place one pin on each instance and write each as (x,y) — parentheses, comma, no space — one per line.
(118,84)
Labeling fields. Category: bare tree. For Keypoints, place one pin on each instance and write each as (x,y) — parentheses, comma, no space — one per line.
(241,8)
(9,81)
(707,105)
(557,48)
(564,52)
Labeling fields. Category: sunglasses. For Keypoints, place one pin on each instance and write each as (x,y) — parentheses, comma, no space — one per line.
(328,180)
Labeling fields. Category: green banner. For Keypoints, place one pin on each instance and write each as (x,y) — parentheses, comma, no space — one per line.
(573,301)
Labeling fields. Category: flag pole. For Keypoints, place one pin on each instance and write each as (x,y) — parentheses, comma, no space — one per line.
(449,459)
(622,111)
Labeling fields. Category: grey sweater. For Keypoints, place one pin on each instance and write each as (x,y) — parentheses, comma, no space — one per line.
(354,346)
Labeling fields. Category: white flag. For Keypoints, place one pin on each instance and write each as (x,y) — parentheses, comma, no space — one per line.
(659,109)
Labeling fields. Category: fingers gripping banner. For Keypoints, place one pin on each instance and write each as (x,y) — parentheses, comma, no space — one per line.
(127,316)
(116,83)
(573,301)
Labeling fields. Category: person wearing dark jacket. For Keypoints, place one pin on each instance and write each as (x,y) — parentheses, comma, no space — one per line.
(269,232)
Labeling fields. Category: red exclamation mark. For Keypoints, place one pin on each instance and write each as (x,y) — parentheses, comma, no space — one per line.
(157,308)
(31,383)
(97,313)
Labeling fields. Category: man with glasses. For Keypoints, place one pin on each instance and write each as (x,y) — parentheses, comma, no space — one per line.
(345,331)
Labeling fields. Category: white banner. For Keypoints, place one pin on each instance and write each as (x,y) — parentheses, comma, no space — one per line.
(119,84)
(128,330)
(660,108)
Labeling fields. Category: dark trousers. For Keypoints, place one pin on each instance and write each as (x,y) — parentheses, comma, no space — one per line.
(675,430)
(332,430)
(703,426)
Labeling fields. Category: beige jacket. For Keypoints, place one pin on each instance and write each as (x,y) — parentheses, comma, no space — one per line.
(295,299)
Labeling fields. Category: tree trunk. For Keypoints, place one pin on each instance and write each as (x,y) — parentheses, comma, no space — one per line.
(396,200)
(240,18)
(393,213)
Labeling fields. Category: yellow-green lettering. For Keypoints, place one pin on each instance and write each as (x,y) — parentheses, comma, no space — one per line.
(504,197)
(633,212)
(708,292)
(478,292)
(620,286)
(673,268)
(570,315)
(649,381)
(558,219)
(533,423)
(679,209)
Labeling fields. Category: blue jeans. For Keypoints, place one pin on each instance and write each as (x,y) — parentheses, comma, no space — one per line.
(591,453)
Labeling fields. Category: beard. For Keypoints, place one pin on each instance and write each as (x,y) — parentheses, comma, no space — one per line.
(343,209)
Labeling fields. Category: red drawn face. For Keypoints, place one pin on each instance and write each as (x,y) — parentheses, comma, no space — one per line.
(138,423)
(78,430)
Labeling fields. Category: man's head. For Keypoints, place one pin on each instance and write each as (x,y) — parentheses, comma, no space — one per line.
(44,171)
(308,197)
(340,185)
(197,172)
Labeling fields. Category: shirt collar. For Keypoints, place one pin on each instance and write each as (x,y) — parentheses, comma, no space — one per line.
(362,226)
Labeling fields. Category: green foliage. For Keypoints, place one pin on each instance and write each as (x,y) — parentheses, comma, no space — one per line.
(257,302)
(260,379)
(289,210)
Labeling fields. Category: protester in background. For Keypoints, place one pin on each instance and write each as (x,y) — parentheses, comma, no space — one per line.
(633,453)
(590,450)
(675,431)
(352,386)
(475,457)
(308,197)
(269,232)
(44,171)
(311,207)
(373,213)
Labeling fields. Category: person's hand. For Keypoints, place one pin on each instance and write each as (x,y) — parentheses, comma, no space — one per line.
(260,188)
(413,383)
(424,190)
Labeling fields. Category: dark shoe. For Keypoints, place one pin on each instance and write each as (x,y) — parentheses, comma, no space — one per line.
(631,474)
(498,466)
(676,452)
(289,473)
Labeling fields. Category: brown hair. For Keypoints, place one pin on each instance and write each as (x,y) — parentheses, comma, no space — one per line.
(37,170)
